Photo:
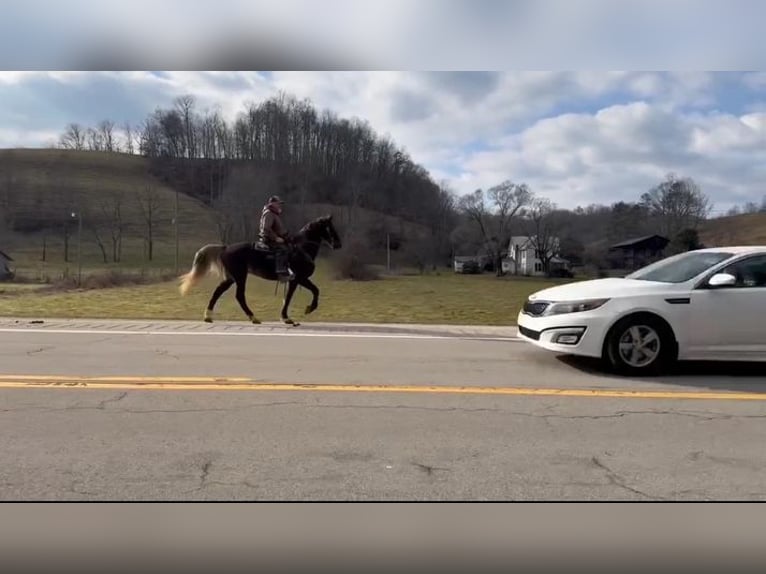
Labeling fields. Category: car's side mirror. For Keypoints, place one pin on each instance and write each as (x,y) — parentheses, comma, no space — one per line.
(722,280)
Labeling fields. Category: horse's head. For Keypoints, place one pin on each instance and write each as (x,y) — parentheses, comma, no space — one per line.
(323,230)
(329,233)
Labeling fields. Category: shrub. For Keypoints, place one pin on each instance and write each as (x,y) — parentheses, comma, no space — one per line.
(351,262)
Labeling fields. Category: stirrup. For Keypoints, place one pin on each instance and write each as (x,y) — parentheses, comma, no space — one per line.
(286,276)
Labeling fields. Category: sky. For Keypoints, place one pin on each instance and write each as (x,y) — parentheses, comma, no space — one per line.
(574,137)
(587,135)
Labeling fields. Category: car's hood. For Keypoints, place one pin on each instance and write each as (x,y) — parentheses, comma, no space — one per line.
(602,288)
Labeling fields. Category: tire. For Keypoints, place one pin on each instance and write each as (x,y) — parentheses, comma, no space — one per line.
(640,345)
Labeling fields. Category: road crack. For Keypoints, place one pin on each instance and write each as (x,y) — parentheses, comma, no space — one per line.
(205,472)
(166,353)
(429,470)
(39,350)
(102,404)
(618,481)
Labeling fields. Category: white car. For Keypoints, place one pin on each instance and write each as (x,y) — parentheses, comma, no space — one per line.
(708,304)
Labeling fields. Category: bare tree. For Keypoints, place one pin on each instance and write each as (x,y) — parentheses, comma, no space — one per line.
(74,137)
(751,207)
(95,140)
(106,136)
(96,228)
(149,202)
(543,229)
(129,137)
(111,214)
(185,109)
(494,215)
(677,204)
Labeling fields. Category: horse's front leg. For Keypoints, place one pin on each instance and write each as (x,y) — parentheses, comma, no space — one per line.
(291,287)
(315,295)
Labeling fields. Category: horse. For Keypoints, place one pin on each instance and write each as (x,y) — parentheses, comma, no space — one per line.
(234,262)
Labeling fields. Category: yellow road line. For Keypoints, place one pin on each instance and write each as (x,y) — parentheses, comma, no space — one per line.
(244,384)
(124,379)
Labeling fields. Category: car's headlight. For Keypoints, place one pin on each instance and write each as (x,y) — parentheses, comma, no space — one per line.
(574,306)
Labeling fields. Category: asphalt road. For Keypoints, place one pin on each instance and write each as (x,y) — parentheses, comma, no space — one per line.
(96,410)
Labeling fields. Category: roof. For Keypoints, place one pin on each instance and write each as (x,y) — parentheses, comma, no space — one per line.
(637,240)
(8,257)
(524,240)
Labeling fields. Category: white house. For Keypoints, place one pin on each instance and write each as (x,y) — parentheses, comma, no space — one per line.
(522,259)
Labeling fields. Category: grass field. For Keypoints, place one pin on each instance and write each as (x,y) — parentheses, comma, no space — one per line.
(430,299)
(745,229)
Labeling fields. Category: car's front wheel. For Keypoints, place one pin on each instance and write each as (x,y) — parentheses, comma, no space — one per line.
(640,345)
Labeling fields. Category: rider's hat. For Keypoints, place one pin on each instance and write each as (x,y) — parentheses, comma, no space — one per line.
(275,199)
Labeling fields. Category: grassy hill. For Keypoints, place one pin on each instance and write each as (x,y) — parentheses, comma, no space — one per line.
(745,229)
(41,188)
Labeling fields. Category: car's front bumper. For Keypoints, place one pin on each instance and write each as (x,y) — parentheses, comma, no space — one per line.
(571,333)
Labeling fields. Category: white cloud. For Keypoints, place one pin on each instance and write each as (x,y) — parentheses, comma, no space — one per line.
(621,151)
(579,137)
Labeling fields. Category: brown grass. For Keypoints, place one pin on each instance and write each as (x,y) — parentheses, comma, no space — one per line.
(431,299)
(746,229)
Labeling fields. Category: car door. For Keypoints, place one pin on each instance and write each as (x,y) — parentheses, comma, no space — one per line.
(730,322)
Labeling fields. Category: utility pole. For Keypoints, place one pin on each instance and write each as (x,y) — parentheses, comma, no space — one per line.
(78,215)
(175,222)
(388,252)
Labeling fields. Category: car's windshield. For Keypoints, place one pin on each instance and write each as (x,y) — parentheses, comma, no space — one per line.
(680,268)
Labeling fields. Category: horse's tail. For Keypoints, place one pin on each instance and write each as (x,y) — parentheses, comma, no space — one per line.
(207,258)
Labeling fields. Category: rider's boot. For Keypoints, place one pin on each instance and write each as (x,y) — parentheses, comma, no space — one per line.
(284,273)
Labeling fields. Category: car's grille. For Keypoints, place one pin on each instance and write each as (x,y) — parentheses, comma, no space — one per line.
(535,307)
(529,333)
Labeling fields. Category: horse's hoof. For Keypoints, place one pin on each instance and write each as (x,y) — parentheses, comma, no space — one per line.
(255,321)
(208,319)
(290,322)
(310,310)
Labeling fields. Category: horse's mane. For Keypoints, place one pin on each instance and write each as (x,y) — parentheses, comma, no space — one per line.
(312,225)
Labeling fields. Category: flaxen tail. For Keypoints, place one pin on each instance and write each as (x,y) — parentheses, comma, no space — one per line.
(207,258)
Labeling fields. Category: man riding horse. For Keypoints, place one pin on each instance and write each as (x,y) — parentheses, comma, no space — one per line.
(274,235)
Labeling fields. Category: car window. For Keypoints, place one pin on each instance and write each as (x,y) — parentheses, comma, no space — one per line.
(749,272)
(680,268)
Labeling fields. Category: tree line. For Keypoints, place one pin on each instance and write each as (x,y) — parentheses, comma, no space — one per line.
(284,145)
(674,208)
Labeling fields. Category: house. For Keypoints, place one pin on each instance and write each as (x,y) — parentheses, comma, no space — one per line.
(5,270)
(635,253)
(522,258)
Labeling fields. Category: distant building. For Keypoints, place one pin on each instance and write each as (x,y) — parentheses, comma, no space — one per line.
(636,253)
(522,258)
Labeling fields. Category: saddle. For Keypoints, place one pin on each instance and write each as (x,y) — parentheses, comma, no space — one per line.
(268,250)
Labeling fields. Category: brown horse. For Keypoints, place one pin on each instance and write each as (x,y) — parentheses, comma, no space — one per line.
(234,262)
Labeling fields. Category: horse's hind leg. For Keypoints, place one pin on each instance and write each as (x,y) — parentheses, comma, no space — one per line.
(241,282)
(220,290)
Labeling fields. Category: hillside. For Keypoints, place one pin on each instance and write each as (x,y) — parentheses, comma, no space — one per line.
(745,229)
(40,189)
